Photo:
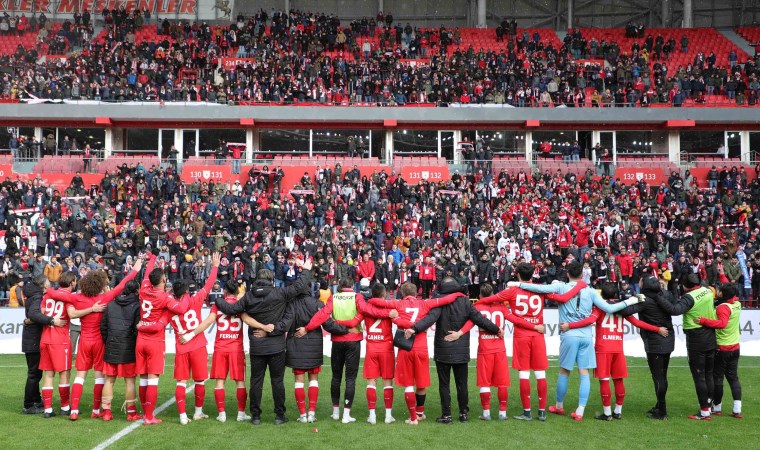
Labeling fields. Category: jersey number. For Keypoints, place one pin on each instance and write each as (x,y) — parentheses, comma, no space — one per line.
(190,319)
(497,317)
(528,305)
(224,323)
(53,308)
(613,322)
(375,328)
(414,312)
(147,308)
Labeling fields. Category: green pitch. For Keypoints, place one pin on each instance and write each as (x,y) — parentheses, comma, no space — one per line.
(634,431)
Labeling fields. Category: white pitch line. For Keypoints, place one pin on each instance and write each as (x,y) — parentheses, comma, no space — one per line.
(116,437)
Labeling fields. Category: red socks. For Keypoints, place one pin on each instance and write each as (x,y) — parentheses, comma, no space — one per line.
(604,391)
(219,399)
(503,395)
(411,404)
(313,397)
(388,397)
(485,400)
(76,396)
(300,395)
(371,397)
(179,396)
(97,393)
(619,391)
(141,393)
(242,397)
(64,390)
(525,393)
(543,390)
(151,397)
(47,398)
(200,394)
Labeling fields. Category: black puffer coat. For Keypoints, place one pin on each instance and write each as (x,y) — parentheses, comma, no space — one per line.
(30,337)
(266,304)
(119,329)
(653,314)
(452,317)
(305,352)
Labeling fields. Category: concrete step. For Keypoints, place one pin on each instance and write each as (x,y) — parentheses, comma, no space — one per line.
(732,36)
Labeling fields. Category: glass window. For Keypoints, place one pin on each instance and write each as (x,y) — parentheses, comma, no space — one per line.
(504,142)
(415,142)
(754,145)
(338,142)
(558,139)
(634,142)
(142,139)
(284,142)
(95,137)
(210,138)
(734,139)
(6,132)
(702,142)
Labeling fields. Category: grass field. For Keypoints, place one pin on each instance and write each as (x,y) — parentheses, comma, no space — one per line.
(634,431)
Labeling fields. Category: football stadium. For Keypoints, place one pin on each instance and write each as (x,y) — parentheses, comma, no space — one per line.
(379,223)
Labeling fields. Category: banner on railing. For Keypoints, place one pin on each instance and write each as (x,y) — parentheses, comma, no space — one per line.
(12,319)
(176,9)
(653,176)
(190,173)
(434,174)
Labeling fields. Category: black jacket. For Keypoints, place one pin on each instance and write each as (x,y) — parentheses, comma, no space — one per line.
(700,339)
(30,337)
(650,312)
(119,329)
(304,352)
(266,304)
(452,317)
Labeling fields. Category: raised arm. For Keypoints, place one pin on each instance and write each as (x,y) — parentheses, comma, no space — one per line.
(723,312)
(113,293)
(151,265)
(301,286)
(677,307)
(554,288)
(567,296)
(202,293)
(427,321)
(612,308)
(635,321)
(177,306)
(593,317)
(158,326)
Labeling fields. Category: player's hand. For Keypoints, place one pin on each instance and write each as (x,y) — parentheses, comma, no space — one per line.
(393,314)
(500,334)
(663,285)
(58,322)
(98,307)
(137,266)
(452,336)
(268,327)
(663,332)
(385,281)
(216,259)
(354,330)
(513,284)
(564,326)
(28,322)
(541,329)
(259,333)
(187,337)
(300,332)
(408,333)
(141,324)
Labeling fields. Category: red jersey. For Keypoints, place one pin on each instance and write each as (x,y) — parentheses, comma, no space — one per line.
(410,310)
(526,305)
(229,330)
(609,329)
(184,323)
(496,313)
(153,303)
(56,309)
(90,324)
(379,335)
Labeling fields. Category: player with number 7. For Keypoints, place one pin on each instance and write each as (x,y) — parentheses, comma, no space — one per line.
(413,367)
(192,355)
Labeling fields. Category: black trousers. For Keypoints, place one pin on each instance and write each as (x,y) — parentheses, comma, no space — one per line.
(276,364)
(33,376)
(727,365)
(427,288)
(460,380)
(344,355)
(701,363)
(658,366)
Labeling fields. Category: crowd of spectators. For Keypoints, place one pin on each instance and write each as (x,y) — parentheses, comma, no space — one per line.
(308,57)
(474,227)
